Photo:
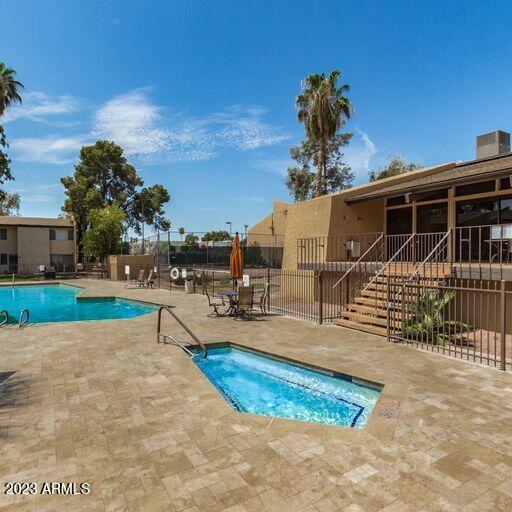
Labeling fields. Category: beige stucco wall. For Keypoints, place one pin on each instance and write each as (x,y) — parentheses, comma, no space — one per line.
(33,248)
(62,246)
(270,231)
(9,246)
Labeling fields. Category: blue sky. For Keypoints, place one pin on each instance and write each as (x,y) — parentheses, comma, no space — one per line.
(201,94)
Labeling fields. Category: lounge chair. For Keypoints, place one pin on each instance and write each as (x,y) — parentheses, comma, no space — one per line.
(141,279)
(261,301)
(150,281)
(245,302)
(214,305)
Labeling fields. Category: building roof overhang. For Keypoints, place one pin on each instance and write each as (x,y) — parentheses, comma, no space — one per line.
(460,173)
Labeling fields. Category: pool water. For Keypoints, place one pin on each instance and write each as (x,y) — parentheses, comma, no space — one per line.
(257,384)
(59,303)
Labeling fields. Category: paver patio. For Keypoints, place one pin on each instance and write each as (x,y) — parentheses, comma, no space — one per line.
(102,402)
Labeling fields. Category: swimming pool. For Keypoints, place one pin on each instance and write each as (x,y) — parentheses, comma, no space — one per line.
(258,384)
(59,303)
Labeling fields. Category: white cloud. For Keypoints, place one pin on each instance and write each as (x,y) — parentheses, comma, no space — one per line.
(144,130)
(359,154)
(49,150)
(274,166)
(132,122)
(37,106)
(147,132)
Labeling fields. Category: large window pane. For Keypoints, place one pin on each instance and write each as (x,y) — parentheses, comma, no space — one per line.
(477,212)
(432,218)
(399,221)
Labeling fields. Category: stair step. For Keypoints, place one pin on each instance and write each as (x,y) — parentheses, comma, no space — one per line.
(367,319)
(373,329)
(371,310)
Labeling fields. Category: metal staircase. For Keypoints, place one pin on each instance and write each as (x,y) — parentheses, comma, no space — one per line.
(383,302)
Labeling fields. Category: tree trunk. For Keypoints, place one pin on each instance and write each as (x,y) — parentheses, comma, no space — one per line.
(320,175)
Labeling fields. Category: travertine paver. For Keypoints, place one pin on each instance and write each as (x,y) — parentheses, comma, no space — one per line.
(102,402)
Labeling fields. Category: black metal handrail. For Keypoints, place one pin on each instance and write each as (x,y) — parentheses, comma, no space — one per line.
(185,328)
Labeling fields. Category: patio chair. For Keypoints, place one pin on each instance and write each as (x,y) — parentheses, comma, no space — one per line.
(245,302)
(139,281)
(214,305)
(261,301)
(150,281)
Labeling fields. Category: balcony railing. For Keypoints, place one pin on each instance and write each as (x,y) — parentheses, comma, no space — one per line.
(333,252)
(476,252)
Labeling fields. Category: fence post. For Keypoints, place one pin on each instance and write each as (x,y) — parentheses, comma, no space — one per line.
(320,299)
(268,288)
(503,327)
(388,304)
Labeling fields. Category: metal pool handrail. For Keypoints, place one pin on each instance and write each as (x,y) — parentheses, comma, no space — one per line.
(185,328)
(24,321)
(6,317)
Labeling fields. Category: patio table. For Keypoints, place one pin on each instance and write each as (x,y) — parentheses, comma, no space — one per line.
(231,295)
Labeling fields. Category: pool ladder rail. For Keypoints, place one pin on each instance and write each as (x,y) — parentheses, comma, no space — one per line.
(23,319)
(164,336)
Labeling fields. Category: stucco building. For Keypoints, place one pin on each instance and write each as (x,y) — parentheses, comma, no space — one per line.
(28,242)
(442,223)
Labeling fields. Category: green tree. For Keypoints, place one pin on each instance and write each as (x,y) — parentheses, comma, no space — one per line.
(191,240)
(103,237)
(181,231)
(323,109)
(104,177)
(9,95)
(300,179)
(395,166)
(9,88)
(5,169)
(9,204)
(216,236)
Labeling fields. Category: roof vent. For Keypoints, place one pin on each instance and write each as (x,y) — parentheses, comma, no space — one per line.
(492,144)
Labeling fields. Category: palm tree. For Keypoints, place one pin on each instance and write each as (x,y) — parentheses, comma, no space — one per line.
(323,109)
(181,231)
(9,88)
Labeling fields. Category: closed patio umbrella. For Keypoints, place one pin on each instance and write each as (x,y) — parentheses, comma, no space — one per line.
(236,262)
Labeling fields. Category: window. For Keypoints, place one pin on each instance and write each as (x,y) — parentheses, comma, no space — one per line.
(396,201)
(3,259)
(505,183)
(432,218)
(479,212)
(399,221)
(3,234)
(430,196)
(475,188)
(61,234)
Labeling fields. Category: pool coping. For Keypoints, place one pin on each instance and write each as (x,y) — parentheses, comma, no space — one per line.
(381,422)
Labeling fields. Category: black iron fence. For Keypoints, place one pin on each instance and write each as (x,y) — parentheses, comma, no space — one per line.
(436,311)
(190,249)
(462,318)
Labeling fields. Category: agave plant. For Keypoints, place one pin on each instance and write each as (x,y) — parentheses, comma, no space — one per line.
(427,321)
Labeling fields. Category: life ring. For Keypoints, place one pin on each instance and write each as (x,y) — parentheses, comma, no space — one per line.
(175,273)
